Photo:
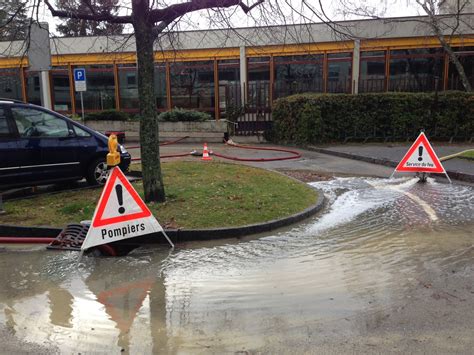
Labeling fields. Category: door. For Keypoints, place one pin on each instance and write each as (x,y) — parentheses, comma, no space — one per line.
(51,142)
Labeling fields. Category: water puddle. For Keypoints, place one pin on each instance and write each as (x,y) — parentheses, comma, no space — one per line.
(370,269)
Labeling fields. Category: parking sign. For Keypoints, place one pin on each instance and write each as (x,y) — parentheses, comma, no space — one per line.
(80,79)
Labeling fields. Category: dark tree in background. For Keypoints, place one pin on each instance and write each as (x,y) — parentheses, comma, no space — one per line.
(74,27)
(149,18)
(13,20)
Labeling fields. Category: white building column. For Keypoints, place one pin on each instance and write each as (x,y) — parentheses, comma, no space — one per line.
(243,75)
(45,89)
(356,67)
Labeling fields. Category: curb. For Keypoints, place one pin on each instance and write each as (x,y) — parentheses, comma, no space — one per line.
(456,175)
(182,235)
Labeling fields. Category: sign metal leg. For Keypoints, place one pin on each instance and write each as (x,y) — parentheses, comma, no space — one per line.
(168,239)
(82,108)
(447,177)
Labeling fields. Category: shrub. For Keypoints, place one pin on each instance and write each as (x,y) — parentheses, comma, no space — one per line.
(178,114)
(112,115)
(315,118)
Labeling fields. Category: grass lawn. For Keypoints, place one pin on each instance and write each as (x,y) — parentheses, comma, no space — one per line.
(468,155)
(199,195)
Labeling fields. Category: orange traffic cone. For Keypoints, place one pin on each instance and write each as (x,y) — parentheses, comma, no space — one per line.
(205,153)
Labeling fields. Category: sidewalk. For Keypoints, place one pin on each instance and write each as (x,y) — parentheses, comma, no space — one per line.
(391,154)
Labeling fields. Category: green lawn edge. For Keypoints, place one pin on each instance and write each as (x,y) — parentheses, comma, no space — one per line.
(200,195)
(469,155)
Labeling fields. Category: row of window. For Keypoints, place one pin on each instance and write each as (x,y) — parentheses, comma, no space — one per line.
(413,70)
(192,84)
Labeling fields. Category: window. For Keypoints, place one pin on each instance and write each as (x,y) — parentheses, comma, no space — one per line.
(127,75)
(372,72)
(10,84)
(339,72)
(80,132)
(4,130)
(35,123)
(298,74)
(100,94)
(160,86)
(60,89)
(416,69)
(258,87)
(192,85)
(229,85)
(466,57)
(33,93)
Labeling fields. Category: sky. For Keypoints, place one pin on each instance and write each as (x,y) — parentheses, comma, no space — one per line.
(292,11)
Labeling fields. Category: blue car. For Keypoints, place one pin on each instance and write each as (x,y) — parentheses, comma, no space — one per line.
(39,146)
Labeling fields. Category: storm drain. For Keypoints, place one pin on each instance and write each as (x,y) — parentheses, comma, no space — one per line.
(70,238)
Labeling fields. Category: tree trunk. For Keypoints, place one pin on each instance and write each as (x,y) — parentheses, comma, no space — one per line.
(452,56)
(149,139)
(459,68)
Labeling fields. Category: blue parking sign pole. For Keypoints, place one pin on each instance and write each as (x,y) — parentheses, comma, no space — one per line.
(82,109)
(81,85)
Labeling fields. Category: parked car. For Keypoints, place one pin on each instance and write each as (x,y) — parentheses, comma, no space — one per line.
(40,146)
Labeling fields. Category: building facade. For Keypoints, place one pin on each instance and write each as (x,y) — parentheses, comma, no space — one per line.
(217,70)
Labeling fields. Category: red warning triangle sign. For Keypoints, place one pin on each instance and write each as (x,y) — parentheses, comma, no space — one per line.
(120,214)
(119,202)
(420,158)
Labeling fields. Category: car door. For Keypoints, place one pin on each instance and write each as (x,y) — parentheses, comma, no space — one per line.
(52,143)
(10,157)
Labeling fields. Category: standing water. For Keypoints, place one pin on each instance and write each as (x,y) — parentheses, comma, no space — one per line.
(387,267)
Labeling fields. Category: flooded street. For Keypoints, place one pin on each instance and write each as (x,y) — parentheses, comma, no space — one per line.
(387,266)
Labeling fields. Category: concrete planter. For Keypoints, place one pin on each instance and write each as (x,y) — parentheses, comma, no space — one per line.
(208,131)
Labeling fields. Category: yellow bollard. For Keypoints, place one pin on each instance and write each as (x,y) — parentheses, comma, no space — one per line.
(113,157)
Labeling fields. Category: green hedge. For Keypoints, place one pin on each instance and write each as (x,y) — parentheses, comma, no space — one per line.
(112,115)
(183,115)
(316,118)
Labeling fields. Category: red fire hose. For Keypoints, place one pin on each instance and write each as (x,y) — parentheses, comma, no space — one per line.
(164,143)
(295,154)
(26,240)
(105,248)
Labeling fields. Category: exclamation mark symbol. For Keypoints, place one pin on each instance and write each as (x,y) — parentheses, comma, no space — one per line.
(118,191)
(420,153)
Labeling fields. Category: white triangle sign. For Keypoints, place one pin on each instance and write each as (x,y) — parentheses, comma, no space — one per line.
(421,158)
(120,214)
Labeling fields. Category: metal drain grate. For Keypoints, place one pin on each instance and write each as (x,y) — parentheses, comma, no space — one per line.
(70,238)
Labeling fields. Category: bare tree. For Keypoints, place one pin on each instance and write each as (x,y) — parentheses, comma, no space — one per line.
(149,19)
(441,25)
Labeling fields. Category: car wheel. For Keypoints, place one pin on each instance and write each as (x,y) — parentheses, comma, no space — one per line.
(97,172)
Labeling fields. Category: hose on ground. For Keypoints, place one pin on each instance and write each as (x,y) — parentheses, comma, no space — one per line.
(105,249)
(294,154)
(26,240)
(164,143)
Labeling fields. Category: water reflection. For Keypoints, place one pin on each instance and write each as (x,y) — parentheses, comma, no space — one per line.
(371,257)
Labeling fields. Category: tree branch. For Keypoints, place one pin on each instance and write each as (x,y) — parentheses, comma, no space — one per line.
(84,16)
(172,12)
